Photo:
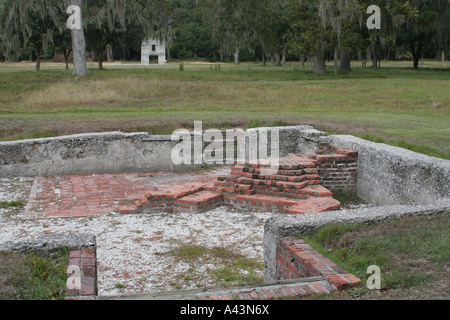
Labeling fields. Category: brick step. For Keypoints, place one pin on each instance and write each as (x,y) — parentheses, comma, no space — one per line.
(258,180)
(304,193)
(160,198)
(208,200)
(315,205)
(127,208)
(299,190)
(283,172)
(172,192)
(278,204)
(274,174)
(198,202)
(282,165)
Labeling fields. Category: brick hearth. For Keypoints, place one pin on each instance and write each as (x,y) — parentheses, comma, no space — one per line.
(294,186)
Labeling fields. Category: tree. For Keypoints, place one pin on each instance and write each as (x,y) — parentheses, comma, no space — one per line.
(128,43)
(230,22)
(340,15)
(270,24)
(394,13)
(429,23)
(63,43)
(78,44)
(307,35)
(27,23)
(192,36)
(33,23)
(103,23)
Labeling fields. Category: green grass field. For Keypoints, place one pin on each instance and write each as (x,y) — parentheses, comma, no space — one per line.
(412,254)
(395,104)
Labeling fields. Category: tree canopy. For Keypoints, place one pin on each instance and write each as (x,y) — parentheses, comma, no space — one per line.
(235,30)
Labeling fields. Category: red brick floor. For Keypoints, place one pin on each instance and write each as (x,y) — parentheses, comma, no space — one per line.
(99,194)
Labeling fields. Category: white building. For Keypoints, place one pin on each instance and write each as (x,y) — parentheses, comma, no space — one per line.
(154,48)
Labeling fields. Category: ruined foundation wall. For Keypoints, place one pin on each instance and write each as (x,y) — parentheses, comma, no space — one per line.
(389,175)
(401,182)
(294,226)
(87,153)
(117,152)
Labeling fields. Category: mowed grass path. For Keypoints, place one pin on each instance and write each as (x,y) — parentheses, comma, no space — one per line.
(396,104)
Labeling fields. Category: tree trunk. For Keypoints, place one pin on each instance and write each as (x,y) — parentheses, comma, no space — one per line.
(110,54)
(236,55)
(302,61)
(277,58)
(345,64)
(78,45)
(416,62)
(284,59)
(336,58)
(443,56)
(374,58)
(38,58)
(417,53)
(100,58)
(368,54)
(319,59)
(264,59)
(66,57)
(100,64)
(319,64)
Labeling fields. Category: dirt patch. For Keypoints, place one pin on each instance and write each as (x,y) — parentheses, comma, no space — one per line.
(434,290)
(156,126)
(32,276)
(12,266)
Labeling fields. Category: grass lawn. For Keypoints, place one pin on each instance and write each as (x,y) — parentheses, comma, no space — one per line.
(33,276)
(226,267)
(412,253)
(395,104)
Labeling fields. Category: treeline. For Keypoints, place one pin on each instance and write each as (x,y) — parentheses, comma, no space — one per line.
(269,31)
(117,27)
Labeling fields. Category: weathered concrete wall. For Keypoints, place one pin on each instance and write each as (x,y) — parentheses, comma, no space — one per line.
(403,183)
(293,139)
(117,152)
(389,175)
(88,153)
(281,226)
(51,242)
